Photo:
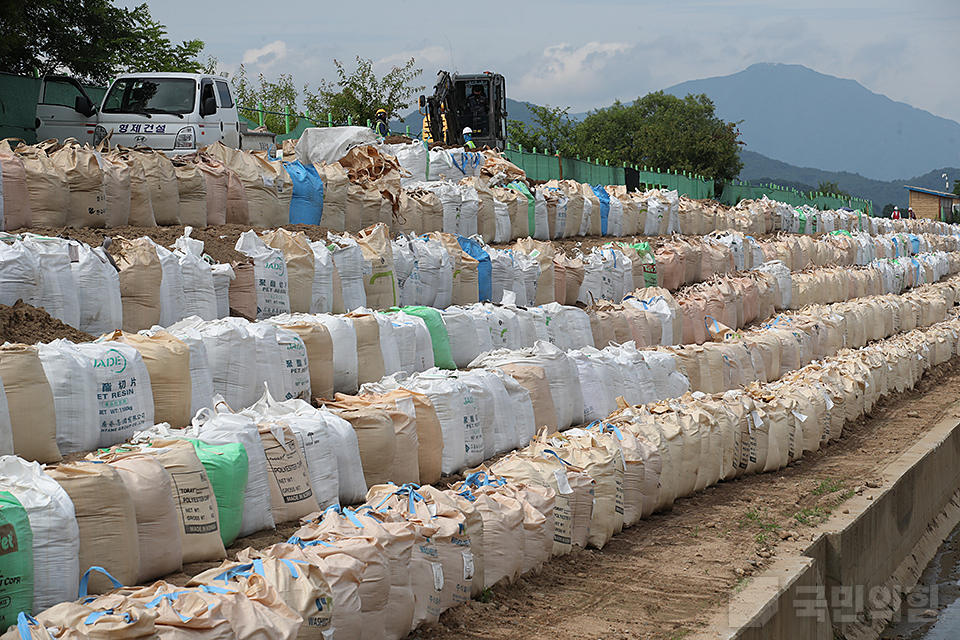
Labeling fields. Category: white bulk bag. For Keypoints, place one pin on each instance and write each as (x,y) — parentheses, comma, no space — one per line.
(346,365)
(501,276)
(73,382)
(172,299)
(668,382)
(199,294)
(56,535)
(458,415)
(231,351)
(413,342)
(296,366)
(223,275)
(269,363)
(124,395)
(58,290)
(781,272)
(522,405)
(469,210)
(98,287)
(225,427)
(348,259)
(389,346)
(321,299)
(20,276)
(526,274)
(464,345)
(501,434)
(269,273)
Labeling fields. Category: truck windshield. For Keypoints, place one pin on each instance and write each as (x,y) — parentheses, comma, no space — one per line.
(151,95)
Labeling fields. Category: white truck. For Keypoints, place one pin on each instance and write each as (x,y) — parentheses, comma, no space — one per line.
(170,112)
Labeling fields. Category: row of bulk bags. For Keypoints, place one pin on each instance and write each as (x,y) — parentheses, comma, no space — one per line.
(72,281)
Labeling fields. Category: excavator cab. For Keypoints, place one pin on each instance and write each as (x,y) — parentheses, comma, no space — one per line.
(478,101)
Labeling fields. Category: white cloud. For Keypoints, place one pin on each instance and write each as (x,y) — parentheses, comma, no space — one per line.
(266,57)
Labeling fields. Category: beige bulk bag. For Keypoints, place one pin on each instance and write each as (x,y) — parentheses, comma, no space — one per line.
(428,431)
(379,276)
(625,444)
(117,177)
(631,211)
(529,471)
(316,338)
(30,402)
(140,276)
(650,428)
(243,291)
(299,583)
(452,506)
(534,379)
(466,277)
(141,204)
(46,183)
(370,367)
(362,207)
(162,179)
(543,253)
(282,186)
(107,519)
(88,198)
(158,528)
(291,493)
(192,193)
(559,281)
(574,273)
(16,192)
(336,186)
(168,362)
(300,265)
(410,216)
(486,218)
(575,201)
(238,209)
(217,179)
(503,535)
(431,210)
(194,497)
(401,408)
(601,465)
(375,436)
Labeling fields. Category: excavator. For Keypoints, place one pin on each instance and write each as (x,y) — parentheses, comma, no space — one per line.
(477,101)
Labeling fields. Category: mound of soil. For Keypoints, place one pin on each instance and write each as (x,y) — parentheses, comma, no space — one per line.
(28,325)
(395,139)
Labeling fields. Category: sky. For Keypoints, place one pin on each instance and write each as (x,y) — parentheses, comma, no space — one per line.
(584,55)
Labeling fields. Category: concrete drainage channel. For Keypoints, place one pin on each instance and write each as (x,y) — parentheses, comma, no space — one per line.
(863,563)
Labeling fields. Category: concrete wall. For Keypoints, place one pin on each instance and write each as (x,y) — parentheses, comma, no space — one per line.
(850,579)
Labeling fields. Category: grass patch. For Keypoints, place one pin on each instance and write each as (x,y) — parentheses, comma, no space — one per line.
(827,486)
(811,516)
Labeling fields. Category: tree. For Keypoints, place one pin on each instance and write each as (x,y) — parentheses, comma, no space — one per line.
(554,131)
(277,98)
(956,187)
(887,210)
(360,94)
(92,40)
(833,189)
(662,131)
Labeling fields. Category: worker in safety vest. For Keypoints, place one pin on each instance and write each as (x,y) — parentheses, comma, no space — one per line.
(468,138)
(381,128)
(896,214)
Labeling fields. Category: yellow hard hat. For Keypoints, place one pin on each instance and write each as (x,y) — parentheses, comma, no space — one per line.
(383,111)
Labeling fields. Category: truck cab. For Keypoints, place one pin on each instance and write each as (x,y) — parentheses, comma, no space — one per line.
(171,112)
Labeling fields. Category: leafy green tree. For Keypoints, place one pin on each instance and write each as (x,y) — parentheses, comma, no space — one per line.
(956,187)
(663,131)
(887,210)
(359,94)
(554,131)
(277,98)
(92,40)
(833,189)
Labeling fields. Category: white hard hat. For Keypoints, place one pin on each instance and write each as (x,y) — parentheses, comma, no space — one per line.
(467,130)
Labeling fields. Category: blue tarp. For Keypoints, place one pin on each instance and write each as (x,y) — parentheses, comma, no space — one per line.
(484,270)
(306,205)
(604,198)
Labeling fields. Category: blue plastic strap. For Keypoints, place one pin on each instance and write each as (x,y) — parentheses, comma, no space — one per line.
(24,620)
(96,615)
(352,518)
(289,565)
(242,570)
(169,596)
(86,579)
(209,588)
